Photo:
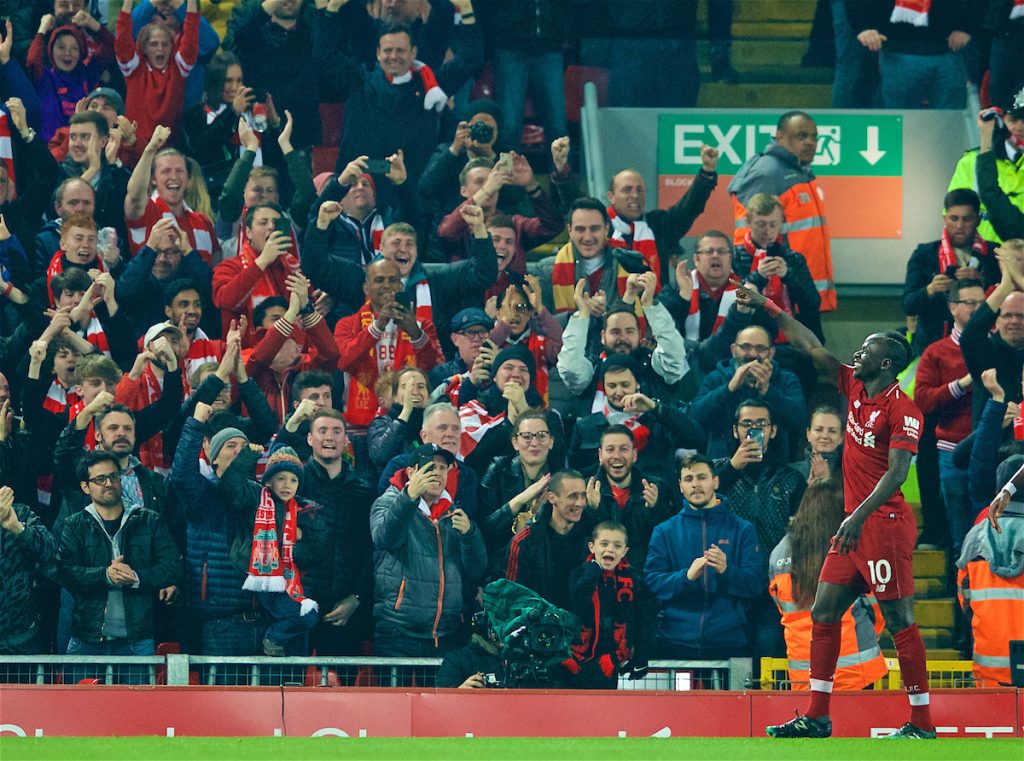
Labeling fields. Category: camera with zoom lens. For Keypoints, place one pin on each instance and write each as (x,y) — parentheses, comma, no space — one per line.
(481,132)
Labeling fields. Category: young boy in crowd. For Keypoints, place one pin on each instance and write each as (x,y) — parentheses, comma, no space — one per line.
(615,610)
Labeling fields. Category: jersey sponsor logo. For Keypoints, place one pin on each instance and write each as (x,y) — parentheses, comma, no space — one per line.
(911,426)
(869,440)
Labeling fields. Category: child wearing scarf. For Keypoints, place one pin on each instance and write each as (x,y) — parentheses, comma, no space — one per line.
(273,574)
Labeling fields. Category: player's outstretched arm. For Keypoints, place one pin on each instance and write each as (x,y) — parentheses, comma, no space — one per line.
(798,334)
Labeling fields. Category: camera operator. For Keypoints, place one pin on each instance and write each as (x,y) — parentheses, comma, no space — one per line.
(476,664)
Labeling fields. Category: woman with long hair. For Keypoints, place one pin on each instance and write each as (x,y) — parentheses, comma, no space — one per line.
(794,567)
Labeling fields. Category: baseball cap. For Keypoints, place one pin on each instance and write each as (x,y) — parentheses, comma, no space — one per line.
(156,330)
(426,453)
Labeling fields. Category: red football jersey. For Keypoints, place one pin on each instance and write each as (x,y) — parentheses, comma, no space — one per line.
(873,426)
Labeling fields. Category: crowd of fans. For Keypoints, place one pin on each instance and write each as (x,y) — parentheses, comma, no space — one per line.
(255,411)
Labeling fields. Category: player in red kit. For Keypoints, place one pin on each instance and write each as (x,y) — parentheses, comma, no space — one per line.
(874,545)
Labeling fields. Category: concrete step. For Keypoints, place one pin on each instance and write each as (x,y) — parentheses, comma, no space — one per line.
(925,589)
(929,564)
(771,29)
(761,52)
(934,614)
(766,11)
(779,75)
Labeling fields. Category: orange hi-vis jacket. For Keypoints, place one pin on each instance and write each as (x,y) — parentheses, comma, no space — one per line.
(860,658)
(990,586)
(777,171)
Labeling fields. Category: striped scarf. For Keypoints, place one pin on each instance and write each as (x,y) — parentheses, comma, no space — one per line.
(434,98)
(775,290)
(911,12)
(271,564)
(7,151)
(692,324)
(56,267)
(361,402)
(369,236)
(424,304)
(564,277)
(947,254)
(641,433)
(58,399)
(273,281)
(151,452)
(637,236)
(95,335)
(211,117)
(201,351)
(476,422)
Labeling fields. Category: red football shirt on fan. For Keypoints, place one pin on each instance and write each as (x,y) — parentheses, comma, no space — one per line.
(197,226)
(873,426)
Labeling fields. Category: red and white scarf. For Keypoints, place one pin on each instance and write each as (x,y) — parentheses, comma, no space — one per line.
(692,323)
(201,351)
(637,236)
(360,401)
(211,117)
(56,267)
(641,433)
(7,151)
(775,289)
(424,304)
(59,399)
(443,504)
(151,452)
(1017,11)
(911,12)
(435,98)
(476,422)
(95,335)
(271,564)
(947,254)
(273,281)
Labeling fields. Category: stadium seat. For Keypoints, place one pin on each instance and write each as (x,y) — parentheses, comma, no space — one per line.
(332,121)
(575,78)
(324,158)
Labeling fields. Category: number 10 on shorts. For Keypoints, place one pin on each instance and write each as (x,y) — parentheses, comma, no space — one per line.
(881,572)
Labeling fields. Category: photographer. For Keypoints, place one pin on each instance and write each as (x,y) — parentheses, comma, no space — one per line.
(750,373)
(477,664)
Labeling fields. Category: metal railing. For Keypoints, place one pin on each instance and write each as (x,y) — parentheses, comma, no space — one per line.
(184,669)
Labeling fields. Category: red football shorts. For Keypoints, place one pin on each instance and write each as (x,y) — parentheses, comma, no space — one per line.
(883,562)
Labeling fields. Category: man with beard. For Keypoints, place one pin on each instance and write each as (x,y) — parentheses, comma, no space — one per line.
(658,369)
(165,171)
(960,254)
(144,384)
(183,306)
(549,548)
(750,373)
(113,560)
(335,553)
(620,491)
(659,428)
(166,257)
(703,565)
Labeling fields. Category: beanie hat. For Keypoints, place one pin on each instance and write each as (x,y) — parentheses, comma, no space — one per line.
(516,351)
(112,96)
(618,362)
(74,31)
(219,439)
(283,460)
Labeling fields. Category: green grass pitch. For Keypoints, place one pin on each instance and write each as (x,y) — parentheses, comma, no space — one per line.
(486,749)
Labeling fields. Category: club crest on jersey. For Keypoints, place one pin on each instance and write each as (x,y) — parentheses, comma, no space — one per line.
(872,419)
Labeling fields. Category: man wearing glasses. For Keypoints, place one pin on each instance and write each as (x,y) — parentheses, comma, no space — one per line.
(751,373)
(114,561)
(943,389)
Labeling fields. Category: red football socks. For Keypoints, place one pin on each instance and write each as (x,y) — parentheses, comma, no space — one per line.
(911,654)
(824,654)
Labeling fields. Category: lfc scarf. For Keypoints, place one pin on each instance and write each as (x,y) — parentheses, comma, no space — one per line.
(56,267)
(476,422)
(692,323)
(1017,11)
(94,334)
(641,433)
(947,254)
(273,280)
(424,305)
(6,150)
(563,280)
(911,12)
(435,97)
(618,586)
(637,236)
(361,402)
(271,564)
(201,351)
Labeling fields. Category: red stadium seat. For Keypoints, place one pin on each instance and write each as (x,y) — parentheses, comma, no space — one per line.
(575,78)
(332,120)
(324,158)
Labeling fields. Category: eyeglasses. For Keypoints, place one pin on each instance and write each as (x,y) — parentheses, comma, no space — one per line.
(169,253)
(541,436)
(474,334)
(968,302)
(756,424)
(106,478)
(753,348)
(718,251)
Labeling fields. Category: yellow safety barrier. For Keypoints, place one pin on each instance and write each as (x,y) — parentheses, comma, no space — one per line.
(942,674)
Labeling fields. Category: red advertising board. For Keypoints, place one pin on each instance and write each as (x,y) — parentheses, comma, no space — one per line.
(303,712)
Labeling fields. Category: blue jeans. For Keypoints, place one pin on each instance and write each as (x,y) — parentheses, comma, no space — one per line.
(956,496)
(290,628)
(133,674)
(856,79)
(908,80)
(543,73)
(653,73)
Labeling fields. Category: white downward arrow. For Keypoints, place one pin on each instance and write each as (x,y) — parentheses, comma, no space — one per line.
(872,155)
